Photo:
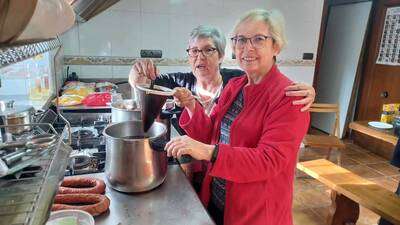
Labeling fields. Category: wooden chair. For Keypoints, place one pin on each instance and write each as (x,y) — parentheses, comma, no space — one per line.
(331,141)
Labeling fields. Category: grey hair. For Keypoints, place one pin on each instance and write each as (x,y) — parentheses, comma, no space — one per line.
(204,31)
(273,18)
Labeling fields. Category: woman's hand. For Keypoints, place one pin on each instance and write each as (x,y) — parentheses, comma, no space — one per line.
(304,90)
(184,145)
(184,98)
(142,71)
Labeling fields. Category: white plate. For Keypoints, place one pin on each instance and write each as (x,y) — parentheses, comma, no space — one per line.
(380,125)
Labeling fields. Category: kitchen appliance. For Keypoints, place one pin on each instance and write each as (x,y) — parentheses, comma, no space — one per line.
(13,115)
(125,110)
(87,141)
(26,21)
(135,160)
(87,9)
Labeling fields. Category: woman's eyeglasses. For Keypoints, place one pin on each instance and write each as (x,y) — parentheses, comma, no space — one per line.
(257,41)
(194,52)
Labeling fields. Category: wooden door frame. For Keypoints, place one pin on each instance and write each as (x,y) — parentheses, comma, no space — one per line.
(361,61)
(324,22)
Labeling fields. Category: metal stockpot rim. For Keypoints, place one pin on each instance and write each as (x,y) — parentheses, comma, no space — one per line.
(164,131)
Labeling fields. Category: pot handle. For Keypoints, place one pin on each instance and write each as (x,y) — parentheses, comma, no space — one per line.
(158,144)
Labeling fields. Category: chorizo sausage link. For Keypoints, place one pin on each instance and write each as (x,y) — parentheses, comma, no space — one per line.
(75,185)
(95,204)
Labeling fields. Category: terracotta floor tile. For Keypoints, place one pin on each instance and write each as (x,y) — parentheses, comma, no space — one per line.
(366,158)
(351,150)
(318,197)
(306,217)
(367,217)
(385,168)
(347,161)
(322,212)
(364,171)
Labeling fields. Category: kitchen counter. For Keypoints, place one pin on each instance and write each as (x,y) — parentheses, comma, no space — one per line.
(173,202)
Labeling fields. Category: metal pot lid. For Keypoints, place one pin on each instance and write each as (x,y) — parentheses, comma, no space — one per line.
(8,109)
(128,104)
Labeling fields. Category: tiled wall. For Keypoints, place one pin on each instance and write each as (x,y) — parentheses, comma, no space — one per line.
(131,25)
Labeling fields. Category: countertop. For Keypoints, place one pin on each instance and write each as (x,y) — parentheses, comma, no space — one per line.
(173,202)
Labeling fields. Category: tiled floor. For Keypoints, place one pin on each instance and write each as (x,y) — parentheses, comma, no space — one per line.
(312,198)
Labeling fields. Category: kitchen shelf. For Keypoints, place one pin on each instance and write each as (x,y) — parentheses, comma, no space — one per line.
(10,54)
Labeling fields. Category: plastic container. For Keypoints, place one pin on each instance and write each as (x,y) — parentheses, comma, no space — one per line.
(70,216)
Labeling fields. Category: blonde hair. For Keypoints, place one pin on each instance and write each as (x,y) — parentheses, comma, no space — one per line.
(273,18)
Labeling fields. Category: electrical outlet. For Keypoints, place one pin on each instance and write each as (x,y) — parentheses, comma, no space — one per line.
(145,53)
(308,56)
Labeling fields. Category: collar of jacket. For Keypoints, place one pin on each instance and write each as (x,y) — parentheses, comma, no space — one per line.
(260,87)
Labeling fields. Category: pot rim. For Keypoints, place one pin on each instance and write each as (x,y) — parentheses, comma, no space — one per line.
(135,139)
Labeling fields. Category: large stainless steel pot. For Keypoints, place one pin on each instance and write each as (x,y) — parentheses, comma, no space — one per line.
(12,115)
(135,161)
(125,110)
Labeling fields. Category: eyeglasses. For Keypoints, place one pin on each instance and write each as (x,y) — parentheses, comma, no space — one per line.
(194,52)
(257,41)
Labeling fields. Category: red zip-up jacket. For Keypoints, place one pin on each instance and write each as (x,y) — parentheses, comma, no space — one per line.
(259,163)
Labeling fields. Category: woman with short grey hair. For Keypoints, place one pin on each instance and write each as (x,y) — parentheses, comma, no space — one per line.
(251,138)
(213,33)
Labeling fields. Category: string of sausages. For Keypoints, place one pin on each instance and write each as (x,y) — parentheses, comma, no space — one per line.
(82,193)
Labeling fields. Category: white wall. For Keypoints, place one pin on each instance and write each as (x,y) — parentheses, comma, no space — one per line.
(131,25)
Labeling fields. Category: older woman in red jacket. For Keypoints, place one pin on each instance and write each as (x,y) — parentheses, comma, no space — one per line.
(253,134)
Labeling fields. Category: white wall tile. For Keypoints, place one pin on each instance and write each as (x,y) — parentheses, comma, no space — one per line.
(180,26)
(303,74)
(156,33)
(174,69)
(155,6)
(124,33)
(127,5)
(238,8)
(121,71)
(70,41)
(95,35)
(131,25)
(72,68)
(89,71)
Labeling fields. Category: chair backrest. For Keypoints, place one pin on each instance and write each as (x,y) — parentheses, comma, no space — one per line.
(328,108)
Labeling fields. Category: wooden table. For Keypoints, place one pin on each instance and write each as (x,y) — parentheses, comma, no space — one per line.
(382,134)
